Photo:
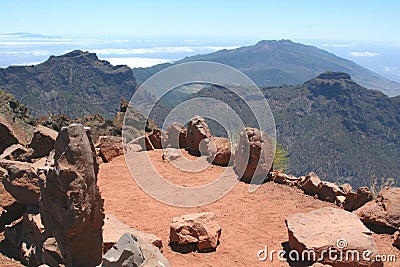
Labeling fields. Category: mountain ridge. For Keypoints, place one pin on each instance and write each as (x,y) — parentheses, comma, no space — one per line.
(274,63)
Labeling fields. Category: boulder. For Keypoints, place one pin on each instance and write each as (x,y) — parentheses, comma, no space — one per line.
(310,184)
(220,151)
(171,154)
(328,191)
(71,206)
(331,229)
(109,147)
(196,136)
(199,228)
(254,155)
(22,182)
(43,141)
(158,138)
(6,199)
(384,211)
(126,252)
(282,178)
(177,135)
(17,152)
(355,200)
(113,229)
(11,133)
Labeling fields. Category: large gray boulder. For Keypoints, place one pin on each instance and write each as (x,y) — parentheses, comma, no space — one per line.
(254,155)
(315,233)
(384,211)
(197,136)
(70,204)
(126,252)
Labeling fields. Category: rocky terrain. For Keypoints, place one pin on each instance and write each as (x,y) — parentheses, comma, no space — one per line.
(330,125)
(76,84)
(68,208)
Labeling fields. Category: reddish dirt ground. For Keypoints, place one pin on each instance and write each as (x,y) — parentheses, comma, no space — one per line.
(249,220)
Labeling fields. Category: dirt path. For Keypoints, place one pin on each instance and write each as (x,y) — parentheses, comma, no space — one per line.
(249,220)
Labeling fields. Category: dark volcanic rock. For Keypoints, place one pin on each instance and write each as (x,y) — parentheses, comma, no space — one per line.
(71,205)
(126,252)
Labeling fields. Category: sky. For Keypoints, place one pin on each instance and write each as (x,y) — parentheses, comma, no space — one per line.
(282,19)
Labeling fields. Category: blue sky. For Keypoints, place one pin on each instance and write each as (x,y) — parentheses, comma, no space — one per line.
(290,19)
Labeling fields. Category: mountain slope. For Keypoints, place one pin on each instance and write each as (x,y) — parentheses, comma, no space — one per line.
(77,84)
(333,126)
(274,63)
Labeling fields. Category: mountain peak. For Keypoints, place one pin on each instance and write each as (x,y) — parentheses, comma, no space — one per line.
(331,75)
(78,54)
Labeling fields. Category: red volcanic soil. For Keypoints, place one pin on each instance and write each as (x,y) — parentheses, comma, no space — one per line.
(249,220)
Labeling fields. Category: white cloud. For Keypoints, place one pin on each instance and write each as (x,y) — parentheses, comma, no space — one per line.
(364,54)
(393,70)
(135,62)
(337,45)
(161,50)
(32,53)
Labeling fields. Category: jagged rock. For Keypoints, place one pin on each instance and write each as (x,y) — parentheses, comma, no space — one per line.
(199,228)
(171,154)
(110,147)
(17,152)
(282,178)
(177,135)
(396,239)
(328,191)
(43,141)
(325,228)
(113,229)
(310,184)
(357,200)
(220,151)
(196,136)
(71,206)
(254,155)
(126,252)
(22,182)
(5,198)
(32,238)
(384,211)
(51,254)
(10,133)
(144,143)
(13,232)
(158,138)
